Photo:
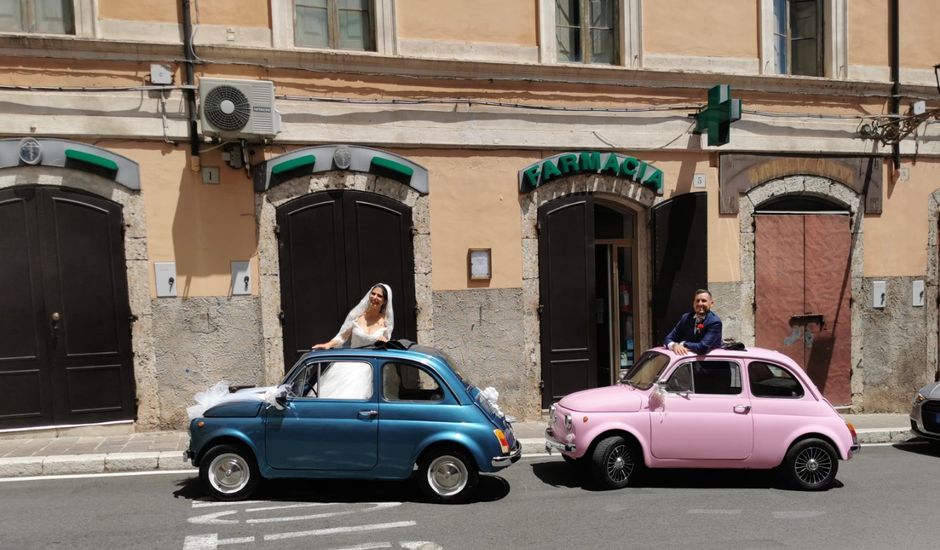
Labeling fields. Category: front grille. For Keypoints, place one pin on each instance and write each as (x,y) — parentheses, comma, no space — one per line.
(930,413)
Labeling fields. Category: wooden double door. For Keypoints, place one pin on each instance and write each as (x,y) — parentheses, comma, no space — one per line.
(333,246)
(65,319)
(803,291)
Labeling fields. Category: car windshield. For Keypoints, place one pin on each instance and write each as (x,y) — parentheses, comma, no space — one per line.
(647,370)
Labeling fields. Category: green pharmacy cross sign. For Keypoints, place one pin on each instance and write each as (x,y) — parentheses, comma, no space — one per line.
(590,162)
(716,119)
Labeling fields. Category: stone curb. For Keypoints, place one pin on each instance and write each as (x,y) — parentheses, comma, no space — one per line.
(173,460)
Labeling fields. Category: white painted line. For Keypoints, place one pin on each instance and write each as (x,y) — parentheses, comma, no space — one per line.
(367,546)
(91,476)
(893,443)
(214,519)
(420,544)
(286,506)
(375,506)
(339,530)
(214,503)
(211,542)
(873,430)
(714,511)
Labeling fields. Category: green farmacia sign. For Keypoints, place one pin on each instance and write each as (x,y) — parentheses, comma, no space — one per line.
(590,162)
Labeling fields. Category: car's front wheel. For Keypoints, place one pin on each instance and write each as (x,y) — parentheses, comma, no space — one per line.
(614,462)
(229,472)
(447,475)
(811,465)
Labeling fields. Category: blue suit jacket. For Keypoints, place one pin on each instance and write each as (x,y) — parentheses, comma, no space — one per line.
(708,338)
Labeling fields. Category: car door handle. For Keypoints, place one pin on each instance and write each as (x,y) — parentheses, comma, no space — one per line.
(742,409)
(368,414)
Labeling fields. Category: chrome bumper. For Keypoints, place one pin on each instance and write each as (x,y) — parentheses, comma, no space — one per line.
(551,444)
(188,455)
(514,455)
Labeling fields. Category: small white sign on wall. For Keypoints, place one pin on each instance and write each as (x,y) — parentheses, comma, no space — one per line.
(166,279)
(241,278)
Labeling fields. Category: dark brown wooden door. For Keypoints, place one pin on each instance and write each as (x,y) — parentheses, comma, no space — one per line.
(680,259)
(333,246)
(567,294)
(802,292)
(65,346)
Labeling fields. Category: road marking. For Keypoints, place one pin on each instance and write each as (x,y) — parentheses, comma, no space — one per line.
(211,542)
(214,519)
(338,530)
(376,506)
(367,546)
(420,545)
(214,503)
(286,506)
(92,476)
(219,518)
(714,511)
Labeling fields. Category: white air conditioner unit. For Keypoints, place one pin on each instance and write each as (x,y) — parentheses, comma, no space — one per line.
(238,109)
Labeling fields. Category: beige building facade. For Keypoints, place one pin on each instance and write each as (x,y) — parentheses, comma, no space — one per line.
(442,107)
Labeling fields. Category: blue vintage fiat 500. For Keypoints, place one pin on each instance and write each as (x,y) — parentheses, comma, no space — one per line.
(374,413)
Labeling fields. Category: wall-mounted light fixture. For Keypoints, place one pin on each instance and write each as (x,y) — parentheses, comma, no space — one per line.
(480,263)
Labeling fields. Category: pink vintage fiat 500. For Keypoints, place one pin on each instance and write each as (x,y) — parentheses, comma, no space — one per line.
(752,409)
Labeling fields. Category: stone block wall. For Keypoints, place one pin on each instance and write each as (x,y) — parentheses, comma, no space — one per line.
(482,331)
(200,341)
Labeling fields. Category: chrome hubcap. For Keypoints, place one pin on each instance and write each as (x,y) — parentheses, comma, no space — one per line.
(229,473)
(447,475)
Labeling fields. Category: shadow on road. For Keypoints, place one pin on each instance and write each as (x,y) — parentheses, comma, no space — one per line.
(920,446)
(561,474)
(490,488)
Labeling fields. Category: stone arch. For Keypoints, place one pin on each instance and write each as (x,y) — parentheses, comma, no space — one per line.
(136,260)
(812,186)
(266,205)
(610,189)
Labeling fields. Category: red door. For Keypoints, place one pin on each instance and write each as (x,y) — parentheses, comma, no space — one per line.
(802,291)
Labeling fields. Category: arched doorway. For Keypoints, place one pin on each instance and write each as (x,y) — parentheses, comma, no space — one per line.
(333,246)
(803,287)
(587,281)
(65,319)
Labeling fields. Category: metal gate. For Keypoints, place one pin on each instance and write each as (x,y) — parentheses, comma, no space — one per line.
(332,247)
(65,340)
(802,295)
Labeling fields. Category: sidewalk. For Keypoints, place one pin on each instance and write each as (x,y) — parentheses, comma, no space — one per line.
(100,449)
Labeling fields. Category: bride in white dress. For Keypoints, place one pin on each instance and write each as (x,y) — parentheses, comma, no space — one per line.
(369,322)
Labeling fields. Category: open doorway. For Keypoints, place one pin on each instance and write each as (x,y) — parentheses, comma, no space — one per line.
(615,276)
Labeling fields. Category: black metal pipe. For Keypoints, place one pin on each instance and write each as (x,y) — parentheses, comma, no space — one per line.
(895,60)
(190,93)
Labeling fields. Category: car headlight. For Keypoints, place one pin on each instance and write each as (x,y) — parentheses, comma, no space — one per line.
(551,415)
(919,398)
(568,422)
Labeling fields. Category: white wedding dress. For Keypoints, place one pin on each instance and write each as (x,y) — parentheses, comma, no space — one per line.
(350,379)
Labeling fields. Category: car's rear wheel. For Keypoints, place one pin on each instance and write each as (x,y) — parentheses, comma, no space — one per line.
(615,462)
(811,465)
(447,475)
(229,472)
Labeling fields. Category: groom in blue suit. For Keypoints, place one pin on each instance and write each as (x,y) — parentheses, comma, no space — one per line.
(699,330)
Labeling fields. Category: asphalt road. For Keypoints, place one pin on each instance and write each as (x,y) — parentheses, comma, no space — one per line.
(887,498)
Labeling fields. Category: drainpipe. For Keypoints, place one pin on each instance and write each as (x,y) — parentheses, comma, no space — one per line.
(895,106)
(190,93)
